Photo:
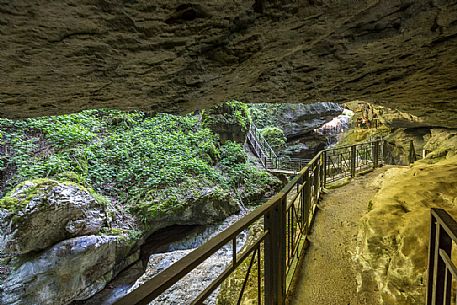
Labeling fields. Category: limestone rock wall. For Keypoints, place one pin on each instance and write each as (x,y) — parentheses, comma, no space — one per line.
(64,56)
(393,237)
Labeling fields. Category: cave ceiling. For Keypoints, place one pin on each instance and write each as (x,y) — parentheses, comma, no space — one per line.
(177,56)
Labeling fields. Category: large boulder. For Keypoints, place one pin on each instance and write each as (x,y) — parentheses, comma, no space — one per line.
(37,214)
(393,237)
(185,204)
(73,269)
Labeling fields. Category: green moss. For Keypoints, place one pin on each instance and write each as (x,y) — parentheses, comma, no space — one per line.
(71,177)
(11,204)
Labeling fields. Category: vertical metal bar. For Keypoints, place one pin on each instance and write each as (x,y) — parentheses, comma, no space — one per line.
(307,199)
(316,182)
(270,225)
(353,159)
(323,173)
(282,251)
(412,152)
(431,261)
(259,276)
(444,243)
(447,287)
(274,258)
(234,252)
(246,277)
(375,154)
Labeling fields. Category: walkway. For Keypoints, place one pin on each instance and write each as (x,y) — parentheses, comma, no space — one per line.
(327,275)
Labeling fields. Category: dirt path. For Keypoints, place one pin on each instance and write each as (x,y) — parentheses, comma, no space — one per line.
(327,275)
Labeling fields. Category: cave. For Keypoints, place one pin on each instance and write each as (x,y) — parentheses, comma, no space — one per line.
(185,57)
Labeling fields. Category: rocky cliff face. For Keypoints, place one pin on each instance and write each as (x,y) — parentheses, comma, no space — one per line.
(171,56)
(393,236)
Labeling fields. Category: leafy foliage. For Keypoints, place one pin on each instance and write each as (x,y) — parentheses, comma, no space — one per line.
(275,137)
(147,163)
(229,113)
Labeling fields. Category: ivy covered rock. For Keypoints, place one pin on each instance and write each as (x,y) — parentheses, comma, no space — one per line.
(230,120)
(39,213)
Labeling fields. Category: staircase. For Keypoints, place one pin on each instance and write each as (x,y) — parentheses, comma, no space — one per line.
(268,157)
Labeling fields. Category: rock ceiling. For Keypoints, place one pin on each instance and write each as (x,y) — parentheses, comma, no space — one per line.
(176,56)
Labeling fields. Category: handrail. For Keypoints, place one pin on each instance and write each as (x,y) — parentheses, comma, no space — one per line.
(268,157)
(287,217)
(441,270)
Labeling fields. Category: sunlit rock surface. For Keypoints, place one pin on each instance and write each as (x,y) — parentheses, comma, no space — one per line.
(393,237)
(44,212)
(174,56)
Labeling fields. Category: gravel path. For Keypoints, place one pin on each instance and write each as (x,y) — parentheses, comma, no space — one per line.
(327,275)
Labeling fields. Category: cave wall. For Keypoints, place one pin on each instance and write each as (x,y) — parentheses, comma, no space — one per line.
(177,56)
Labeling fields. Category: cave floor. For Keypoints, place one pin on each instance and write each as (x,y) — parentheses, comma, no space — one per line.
(328,273)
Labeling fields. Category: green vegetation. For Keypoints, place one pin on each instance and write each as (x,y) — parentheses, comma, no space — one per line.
(231,113)
(151,165)
(275,137)
(266,115)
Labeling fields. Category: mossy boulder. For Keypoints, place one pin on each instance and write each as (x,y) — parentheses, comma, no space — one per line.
(39,213)
(230,120)
(191,202)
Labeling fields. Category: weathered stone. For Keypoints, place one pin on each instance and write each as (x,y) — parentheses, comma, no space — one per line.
(199,206)
(188,288)
(230,120)
(296,120)
(64,56)
(441,144)
(72,269)
(46,212)
(393,237)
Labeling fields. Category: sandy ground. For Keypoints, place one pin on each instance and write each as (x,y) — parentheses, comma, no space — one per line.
(328,275)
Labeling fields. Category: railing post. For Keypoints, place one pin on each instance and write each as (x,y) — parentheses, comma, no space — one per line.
(375,151)
(275,254)
(307,197)
(322,171)
(412,152)
(316,182)
(353,159)
(431,260)
(324,176)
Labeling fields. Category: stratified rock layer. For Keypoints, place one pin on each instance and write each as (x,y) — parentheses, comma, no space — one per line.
(64,56)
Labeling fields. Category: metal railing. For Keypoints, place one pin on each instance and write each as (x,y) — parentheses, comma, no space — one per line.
(268,157)
(441,269)
(346,161)
(286,219)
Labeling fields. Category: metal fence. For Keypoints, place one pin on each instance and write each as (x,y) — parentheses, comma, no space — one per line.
(267,155)
(286,219)
(346,161)
(442,272)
